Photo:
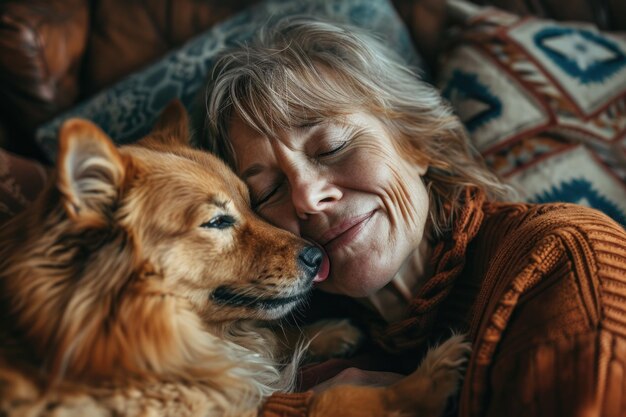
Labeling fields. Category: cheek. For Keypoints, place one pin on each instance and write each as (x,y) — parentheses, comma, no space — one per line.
(401,185)
(405,214)
(412,208)
(378,165)
(282,216)
(194,260)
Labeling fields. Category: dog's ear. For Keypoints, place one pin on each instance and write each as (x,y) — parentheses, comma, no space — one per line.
(91,171)
(173,124)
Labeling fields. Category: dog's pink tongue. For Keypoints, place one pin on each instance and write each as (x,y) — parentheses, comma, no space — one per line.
(324,270)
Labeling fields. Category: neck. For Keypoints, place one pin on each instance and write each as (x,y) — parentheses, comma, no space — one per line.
(392,301)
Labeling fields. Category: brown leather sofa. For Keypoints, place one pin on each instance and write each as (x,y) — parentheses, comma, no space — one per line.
(54,53)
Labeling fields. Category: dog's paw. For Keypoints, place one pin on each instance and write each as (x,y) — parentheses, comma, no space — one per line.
(332,338)
(444,364)
(437,378)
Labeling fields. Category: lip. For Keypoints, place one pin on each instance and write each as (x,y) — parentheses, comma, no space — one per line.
(345,232)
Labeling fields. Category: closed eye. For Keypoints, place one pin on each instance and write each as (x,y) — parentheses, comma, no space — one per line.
(333,150)
(221,221)
(265,197)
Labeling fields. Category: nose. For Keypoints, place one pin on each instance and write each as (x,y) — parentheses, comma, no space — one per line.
(310,259)
(312,193)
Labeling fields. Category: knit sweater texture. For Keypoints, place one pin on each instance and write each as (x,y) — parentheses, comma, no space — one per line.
(540,291)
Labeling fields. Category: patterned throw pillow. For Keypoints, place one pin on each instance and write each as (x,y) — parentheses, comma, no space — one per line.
(545,103)
(128,110)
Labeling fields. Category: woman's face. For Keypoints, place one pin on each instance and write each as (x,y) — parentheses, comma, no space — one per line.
(342,184)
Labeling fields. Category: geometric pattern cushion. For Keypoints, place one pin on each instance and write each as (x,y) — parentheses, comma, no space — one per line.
(559,177)
(545,104)
(128,110)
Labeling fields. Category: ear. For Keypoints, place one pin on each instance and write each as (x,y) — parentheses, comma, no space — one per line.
(173,124)
(91,171)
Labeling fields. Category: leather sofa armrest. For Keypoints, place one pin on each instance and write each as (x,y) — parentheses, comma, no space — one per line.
(21,181)
(42,43)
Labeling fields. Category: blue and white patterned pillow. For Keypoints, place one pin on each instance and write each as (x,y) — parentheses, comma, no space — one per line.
(127,110)
(545,104)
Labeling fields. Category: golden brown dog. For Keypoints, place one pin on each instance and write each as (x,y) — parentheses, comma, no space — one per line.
(138,282)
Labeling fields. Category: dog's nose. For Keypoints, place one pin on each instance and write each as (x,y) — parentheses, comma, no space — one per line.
(310,259)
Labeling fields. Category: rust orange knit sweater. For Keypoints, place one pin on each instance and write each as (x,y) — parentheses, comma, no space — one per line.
(541,292)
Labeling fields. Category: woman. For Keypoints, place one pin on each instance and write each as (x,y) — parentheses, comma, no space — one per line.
(339,142)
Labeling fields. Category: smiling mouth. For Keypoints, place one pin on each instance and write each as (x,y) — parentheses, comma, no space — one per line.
(226,296)
(351,226)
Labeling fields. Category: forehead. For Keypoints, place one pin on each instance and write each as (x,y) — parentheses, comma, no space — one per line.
(251,146)
(246,141)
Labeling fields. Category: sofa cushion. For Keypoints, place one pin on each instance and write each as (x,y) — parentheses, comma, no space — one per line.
(127,110)
(545,103)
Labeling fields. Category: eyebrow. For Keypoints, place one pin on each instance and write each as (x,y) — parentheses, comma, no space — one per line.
(309,125)
(251,171)
(218,202)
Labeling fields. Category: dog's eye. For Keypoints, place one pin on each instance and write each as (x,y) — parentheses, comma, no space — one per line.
(222,221)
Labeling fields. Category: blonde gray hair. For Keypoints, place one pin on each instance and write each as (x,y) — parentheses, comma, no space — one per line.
(281,79)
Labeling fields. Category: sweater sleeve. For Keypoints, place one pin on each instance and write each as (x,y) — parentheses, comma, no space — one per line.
(338,401)
(578,376)
(409,397)
(287,405)
(562,349)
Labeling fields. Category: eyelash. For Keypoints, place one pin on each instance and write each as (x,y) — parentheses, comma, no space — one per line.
(260,200)
(334,150)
